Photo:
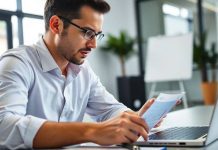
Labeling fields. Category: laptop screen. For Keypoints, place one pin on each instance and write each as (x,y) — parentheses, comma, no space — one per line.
(213,130)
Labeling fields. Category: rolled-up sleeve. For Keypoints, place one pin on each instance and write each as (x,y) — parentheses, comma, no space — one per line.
(17,130)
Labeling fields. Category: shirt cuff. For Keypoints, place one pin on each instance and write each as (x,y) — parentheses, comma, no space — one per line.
(32,128)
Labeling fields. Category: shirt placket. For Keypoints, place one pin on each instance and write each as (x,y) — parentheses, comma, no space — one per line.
(67,92)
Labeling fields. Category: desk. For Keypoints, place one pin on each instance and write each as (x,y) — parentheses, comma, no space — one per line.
(194,116)
(199,115)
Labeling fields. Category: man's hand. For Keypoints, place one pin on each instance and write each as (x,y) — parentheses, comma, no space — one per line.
(126,128)
(145,106)
(160,122)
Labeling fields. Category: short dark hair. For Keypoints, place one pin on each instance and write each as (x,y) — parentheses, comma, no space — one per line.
(71,8)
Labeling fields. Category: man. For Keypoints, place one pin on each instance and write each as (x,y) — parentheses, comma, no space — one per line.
(45,89)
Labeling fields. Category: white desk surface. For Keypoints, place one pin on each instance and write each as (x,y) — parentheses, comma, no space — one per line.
(194,116)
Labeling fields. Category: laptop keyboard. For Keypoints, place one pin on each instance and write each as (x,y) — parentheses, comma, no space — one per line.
(180,133)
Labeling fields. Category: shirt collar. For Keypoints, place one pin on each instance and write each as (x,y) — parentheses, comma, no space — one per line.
(47,61)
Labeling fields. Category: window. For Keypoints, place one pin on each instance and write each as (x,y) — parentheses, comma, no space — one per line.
(33,6)
(175,25)
(9,5)
(171,10)
(15,31)
(175,20)
(24,21)
(175,11)
(3,36)
(32,34)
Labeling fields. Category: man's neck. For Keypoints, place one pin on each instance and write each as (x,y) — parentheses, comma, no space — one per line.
(61,62)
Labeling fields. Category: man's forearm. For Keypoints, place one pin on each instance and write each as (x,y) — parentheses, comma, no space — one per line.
(117,130)
(54,135)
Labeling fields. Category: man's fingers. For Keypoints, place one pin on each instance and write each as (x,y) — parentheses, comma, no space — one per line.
(141,122)
(135,125)
(178,102)
(127,140)
(131,136)
(146,106)
(136,131)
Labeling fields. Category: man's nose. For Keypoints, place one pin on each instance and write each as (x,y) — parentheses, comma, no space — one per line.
(92,43)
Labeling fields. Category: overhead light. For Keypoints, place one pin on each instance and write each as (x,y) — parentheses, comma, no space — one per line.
(175,11)
(184,13)
(171,10)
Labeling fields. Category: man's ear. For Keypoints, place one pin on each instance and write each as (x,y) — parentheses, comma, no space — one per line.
(56,24)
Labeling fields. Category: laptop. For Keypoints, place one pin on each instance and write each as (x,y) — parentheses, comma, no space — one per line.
(193,136)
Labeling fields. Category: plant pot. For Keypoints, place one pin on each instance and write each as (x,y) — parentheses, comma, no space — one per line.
(209,91)
(131,91)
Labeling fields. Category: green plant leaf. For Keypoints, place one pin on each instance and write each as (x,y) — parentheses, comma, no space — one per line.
(122,46)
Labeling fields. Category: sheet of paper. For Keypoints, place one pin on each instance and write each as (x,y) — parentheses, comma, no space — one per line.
(161,106)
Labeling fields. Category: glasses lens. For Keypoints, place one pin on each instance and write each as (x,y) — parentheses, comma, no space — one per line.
(100,36)
(89,35)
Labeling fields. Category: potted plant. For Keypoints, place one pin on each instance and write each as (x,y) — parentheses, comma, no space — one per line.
(206,58)
(123,47)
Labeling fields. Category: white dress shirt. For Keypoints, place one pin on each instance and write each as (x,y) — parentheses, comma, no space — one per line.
(33,90)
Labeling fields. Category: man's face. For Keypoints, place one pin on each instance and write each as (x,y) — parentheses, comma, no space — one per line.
(71,44)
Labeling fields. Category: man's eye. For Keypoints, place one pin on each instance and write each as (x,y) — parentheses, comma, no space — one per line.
(84,31)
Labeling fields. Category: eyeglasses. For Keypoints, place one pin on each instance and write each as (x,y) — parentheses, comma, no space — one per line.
(88,33)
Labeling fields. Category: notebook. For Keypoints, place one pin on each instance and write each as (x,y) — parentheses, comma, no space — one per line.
(196,136)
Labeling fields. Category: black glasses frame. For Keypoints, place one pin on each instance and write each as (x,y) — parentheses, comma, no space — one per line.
(87,36)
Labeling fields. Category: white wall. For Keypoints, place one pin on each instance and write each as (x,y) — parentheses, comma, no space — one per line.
(107,65)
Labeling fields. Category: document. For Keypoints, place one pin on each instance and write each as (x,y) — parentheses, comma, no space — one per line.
(161,106)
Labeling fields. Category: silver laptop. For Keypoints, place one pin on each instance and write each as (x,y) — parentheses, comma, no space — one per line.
(185,136)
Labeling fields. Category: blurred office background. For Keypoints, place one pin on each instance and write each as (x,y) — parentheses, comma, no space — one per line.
(21,22)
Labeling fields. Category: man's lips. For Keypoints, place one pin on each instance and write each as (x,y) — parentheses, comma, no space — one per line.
(85,52)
